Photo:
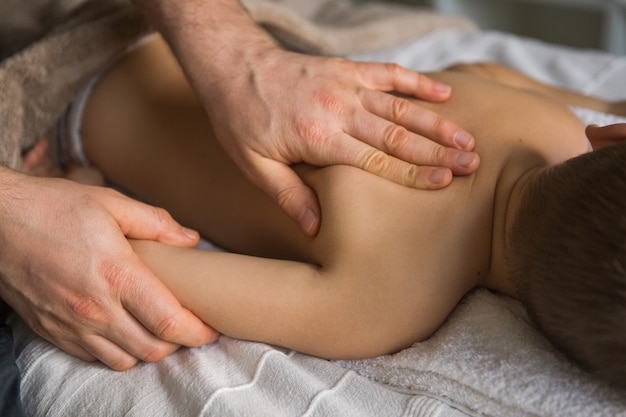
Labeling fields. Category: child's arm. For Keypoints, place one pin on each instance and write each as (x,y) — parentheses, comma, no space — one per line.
(319,311)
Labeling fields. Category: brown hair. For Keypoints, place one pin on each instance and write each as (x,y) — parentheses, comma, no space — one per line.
(567,256)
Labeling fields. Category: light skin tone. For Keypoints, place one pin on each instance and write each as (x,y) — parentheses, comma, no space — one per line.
(113,308)
(342,113)
(69,272)
(372,281)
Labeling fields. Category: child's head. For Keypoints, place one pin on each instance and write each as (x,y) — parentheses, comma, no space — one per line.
(567,256)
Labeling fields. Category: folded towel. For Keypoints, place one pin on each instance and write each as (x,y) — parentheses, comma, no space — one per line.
(22,22)
(37,83)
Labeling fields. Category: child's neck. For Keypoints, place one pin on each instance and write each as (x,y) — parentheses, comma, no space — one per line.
(508,198)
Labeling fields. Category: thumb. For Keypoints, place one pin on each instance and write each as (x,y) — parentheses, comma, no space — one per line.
(141,221)
(288,190)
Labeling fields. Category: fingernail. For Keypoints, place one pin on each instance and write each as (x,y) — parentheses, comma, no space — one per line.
(465,159)
(191,234)
(307,220)
(463,139)
(442,88)
(437,176)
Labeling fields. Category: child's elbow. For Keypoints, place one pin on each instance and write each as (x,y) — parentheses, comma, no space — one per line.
(363,331)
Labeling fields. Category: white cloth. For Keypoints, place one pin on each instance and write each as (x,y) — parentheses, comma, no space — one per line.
(590,117)
(227,378)
(587,71)
(489,359)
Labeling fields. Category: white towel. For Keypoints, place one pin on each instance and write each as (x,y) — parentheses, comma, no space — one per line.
(229,378)
(489,360)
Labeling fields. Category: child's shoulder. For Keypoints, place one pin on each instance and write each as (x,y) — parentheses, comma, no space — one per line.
(364,215)
(509,119)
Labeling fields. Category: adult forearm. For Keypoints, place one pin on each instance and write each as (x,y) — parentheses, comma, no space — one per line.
(222,29)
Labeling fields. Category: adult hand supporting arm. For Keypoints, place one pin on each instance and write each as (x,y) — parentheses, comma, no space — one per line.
(271,107)
(67,269)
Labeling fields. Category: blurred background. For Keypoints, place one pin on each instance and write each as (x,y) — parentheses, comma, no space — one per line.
(597,24)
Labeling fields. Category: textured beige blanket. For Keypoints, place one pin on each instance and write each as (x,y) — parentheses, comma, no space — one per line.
(37,83)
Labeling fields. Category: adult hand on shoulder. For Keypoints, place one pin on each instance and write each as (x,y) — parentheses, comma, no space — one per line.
(271,108)
(67,269)
(330,111)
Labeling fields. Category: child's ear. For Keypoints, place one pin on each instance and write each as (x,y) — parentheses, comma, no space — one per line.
(606,135)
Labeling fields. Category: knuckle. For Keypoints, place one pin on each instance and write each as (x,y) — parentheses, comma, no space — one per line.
(395,137)
(329,100)
(310,130)
(155,353)
(286,196)
(113,273)
(400,108)
(88,310)
(441,126)
(102,193)
(412,175)
(168,328)
(122,364)
(375,161)
(394,69)
(161,216)
(438,155)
